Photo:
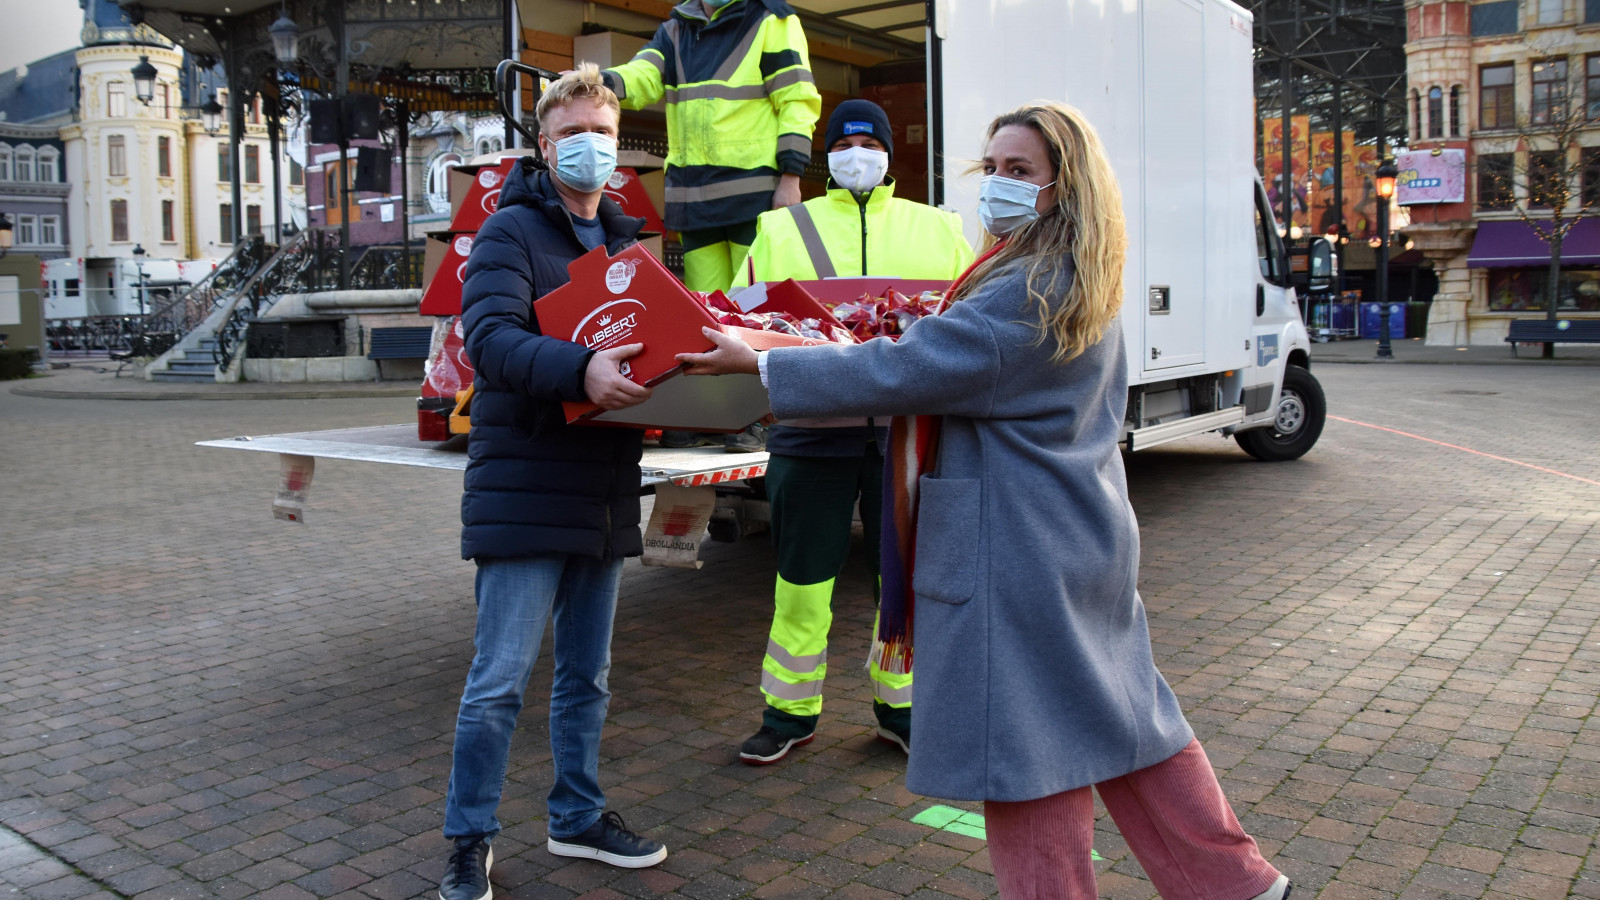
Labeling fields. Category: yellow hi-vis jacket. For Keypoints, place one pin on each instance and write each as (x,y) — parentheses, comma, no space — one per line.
(836,235)
(741,107)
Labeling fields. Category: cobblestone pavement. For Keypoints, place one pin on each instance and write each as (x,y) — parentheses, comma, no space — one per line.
(1391,650)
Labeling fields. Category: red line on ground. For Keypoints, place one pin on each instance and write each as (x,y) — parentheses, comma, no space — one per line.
(1515,462)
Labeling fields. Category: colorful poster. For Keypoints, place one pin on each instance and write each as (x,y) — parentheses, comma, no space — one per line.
(1429,178)
(1324,162)
(1360,198)
(1272,138)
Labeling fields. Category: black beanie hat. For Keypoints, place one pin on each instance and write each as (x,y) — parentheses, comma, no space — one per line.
(859,117)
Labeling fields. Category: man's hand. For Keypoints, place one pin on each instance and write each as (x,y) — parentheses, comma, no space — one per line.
(731,357)
(605,384)
(787,192)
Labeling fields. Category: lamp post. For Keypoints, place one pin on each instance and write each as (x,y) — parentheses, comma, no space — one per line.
(1383,184)
(5,235)
(138,261)
(144,80)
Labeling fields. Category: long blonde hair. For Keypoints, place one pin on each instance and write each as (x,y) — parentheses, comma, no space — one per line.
(1085,223)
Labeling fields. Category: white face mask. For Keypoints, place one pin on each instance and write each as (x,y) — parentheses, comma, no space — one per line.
(1006,204)
(858,169)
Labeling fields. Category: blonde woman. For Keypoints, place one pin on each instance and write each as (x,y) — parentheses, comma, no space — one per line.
(1009,511)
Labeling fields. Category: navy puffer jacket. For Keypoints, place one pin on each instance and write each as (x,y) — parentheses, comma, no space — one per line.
(535,484)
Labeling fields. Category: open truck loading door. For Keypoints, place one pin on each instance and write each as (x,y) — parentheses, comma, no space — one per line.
(1215,339)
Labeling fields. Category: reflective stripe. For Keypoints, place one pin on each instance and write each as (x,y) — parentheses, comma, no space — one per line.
(893,696)
(731,63)
(734,187)
(794,143)
(783,690)
(786,78)
(655,58)
(812,239)
(671,27)
(708,91)
(800,665)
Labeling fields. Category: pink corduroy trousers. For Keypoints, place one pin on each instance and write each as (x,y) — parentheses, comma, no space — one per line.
(1173,816)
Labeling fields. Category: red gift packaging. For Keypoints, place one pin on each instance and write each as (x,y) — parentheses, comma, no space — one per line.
(631,298)
(443,295)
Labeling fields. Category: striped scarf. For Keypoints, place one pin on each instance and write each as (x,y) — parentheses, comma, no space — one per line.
(913,452)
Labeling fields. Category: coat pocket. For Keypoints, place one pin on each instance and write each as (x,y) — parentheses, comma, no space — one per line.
(948,531)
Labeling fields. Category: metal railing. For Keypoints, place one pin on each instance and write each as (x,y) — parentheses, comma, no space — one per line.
(309,261)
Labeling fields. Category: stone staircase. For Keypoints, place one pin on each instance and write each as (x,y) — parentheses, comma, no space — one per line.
(191,363)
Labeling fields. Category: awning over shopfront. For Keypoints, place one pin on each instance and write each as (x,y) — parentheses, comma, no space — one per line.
(1508,244)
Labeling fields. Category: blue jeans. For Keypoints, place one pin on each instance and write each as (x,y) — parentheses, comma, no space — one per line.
(516,597)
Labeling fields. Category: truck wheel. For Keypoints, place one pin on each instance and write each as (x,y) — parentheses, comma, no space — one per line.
(1302,409)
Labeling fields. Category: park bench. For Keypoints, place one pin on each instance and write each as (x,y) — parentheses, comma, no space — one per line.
(408,342)
(1557,331)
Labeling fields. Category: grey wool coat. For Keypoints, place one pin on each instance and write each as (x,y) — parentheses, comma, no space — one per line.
(1034,673)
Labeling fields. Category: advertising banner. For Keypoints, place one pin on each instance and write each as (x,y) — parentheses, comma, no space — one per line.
(1426,178)
(1272,139)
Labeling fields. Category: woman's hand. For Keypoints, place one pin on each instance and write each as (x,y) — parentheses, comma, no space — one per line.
(731,357)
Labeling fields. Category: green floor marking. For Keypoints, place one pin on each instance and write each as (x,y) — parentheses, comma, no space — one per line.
(970,824)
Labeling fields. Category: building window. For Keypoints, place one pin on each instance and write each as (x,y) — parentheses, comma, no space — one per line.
(1495,96)
(1494,180)
(297,173)
(1546,185)
(5,162)
(50,230)
(1416,115)
(1435,112)
(1552,12)
(252,219)
(119,221)
(164,156)
(116,100)
(252,164)
(1513,290)
(117,155)
(1494,18)
(1591,85)
(1591,11)
(168,227)
(224,164)
(1589,169)
(49,166)
(1549,91)
(27,230)
(255,110)
(1455,111)
(24,164)
(225,212)
(164,101)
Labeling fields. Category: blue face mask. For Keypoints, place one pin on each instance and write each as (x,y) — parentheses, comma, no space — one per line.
(584,162)
(1006,204)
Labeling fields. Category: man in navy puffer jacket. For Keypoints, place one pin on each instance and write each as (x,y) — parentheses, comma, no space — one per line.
(549,510)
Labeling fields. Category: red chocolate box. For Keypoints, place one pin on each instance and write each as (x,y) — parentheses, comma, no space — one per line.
(631,298)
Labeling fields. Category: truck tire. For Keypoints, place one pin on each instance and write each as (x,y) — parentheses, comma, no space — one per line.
(1302,410)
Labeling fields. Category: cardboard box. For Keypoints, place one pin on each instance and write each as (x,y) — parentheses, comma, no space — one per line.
(629,193)
(442,297)
(479,195)
(632,298)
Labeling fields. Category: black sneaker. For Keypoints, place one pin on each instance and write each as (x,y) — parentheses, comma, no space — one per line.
(610,841)
(768,746)
(899,739)
(466,876)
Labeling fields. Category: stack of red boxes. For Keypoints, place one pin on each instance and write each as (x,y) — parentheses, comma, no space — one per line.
(474,196)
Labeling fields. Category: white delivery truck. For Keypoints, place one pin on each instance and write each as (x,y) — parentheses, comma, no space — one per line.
(1215,339)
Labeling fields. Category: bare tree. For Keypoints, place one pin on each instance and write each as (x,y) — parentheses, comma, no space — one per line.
(1539,168)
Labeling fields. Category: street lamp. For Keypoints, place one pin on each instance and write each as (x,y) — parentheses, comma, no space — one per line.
(138,260)
(5,235)
(285,39)
(144,80)
(211,115)
(1383,184)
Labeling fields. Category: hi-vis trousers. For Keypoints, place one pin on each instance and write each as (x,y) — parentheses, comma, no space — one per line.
(813,499)
(710,255)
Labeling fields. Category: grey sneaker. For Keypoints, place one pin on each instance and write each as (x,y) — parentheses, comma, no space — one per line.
(750,440)
(466,876)
(610,842)
(767,746)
